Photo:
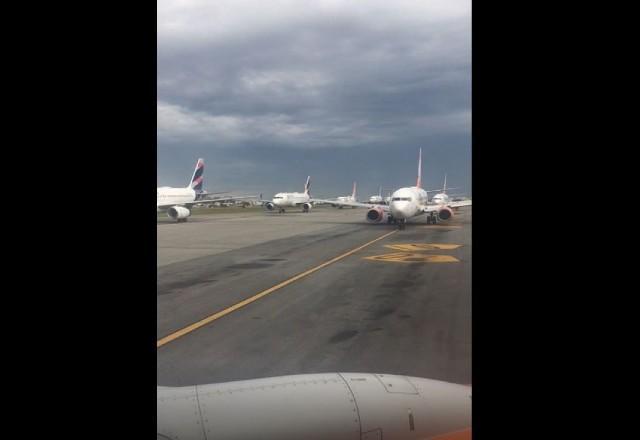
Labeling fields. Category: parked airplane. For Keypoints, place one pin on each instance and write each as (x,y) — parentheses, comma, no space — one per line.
(377,198)
(442,197)
(407,203)
(177,202)
(351,198)
(281,201)
(336,406)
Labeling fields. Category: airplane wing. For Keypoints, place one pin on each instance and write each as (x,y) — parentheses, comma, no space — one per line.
(224,199)
(437,207)
(354,204)
(169,205)
(459,204)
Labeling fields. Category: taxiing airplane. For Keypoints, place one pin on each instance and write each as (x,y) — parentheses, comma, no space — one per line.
(336,406)
(281,201)
(178,202)
(406,203)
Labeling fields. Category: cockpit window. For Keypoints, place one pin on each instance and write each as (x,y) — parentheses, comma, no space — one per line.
(277,197)
(401,199)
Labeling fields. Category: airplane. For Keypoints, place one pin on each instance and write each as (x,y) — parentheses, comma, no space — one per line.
(351,198)
(377,198)
(442,198)
(406,203)
(337,406)
(178,202)
(293,200)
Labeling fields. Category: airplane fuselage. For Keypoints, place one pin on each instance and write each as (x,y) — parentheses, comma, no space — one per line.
(289,200)
(440,199)
(408,202)
(174,196)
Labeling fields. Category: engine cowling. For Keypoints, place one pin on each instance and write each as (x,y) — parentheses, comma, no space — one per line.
(445,213)
(269,206)
(178,212)
(306,207)
(377,215)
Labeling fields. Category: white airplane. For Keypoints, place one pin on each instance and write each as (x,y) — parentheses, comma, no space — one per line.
(406,203)
(336,406)
(281,201)
(441,198)
(351,198)
(177,202)
(377,198)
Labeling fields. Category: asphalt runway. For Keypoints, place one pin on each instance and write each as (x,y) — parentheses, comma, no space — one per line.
(249,296)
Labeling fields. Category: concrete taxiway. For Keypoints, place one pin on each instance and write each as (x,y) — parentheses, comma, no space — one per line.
(262,294)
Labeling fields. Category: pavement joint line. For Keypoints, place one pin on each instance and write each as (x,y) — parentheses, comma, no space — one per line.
(201,323)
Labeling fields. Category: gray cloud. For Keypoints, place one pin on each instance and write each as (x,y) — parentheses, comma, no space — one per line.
(260,86)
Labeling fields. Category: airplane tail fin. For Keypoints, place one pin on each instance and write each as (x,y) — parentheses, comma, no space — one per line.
(444,187)
(307,185)
(197,180)
(353,194)
(419,181)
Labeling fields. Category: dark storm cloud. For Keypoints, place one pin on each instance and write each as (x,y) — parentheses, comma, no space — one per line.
(264,87)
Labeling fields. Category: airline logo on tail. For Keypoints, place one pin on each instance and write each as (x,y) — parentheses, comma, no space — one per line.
(197,181)
(419,181)
(307,185)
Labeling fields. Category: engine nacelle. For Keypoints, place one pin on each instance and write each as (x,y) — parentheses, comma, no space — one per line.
(445,213)
(306,207)
(269,206)
(377,215)
(178,212)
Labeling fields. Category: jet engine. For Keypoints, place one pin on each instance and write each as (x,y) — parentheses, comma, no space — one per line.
(269,206)
(445,213)
(306,207)
(377,215)
(178,213)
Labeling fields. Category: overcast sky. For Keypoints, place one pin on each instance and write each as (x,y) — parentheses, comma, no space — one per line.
(268,92)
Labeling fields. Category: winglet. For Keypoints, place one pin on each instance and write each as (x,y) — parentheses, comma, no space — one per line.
(197,180)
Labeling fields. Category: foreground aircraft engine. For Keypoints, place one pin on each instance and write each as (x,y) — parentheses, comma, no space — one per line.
(307,207)
(179,213)
(336,406)
(269,206)
(445,213)
(377,215)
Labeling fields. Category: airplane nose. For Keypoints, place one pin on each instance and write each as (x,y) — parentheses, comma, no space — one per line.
(400,210)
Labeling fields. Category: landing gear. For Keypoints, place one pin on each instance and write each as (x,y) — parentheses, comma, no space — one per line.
(281,211)
(390,220)
(432,220)
(305,209)
(181,220)
(402,224)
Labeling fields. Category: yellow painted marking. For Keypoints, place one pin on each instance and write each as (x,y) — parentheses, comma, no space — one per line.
(422,246)
(464,434)
(412,257)
(196,325)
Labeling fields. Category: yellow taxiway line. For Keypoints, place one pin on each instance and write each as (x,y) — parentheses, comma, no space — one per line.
(196,325)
